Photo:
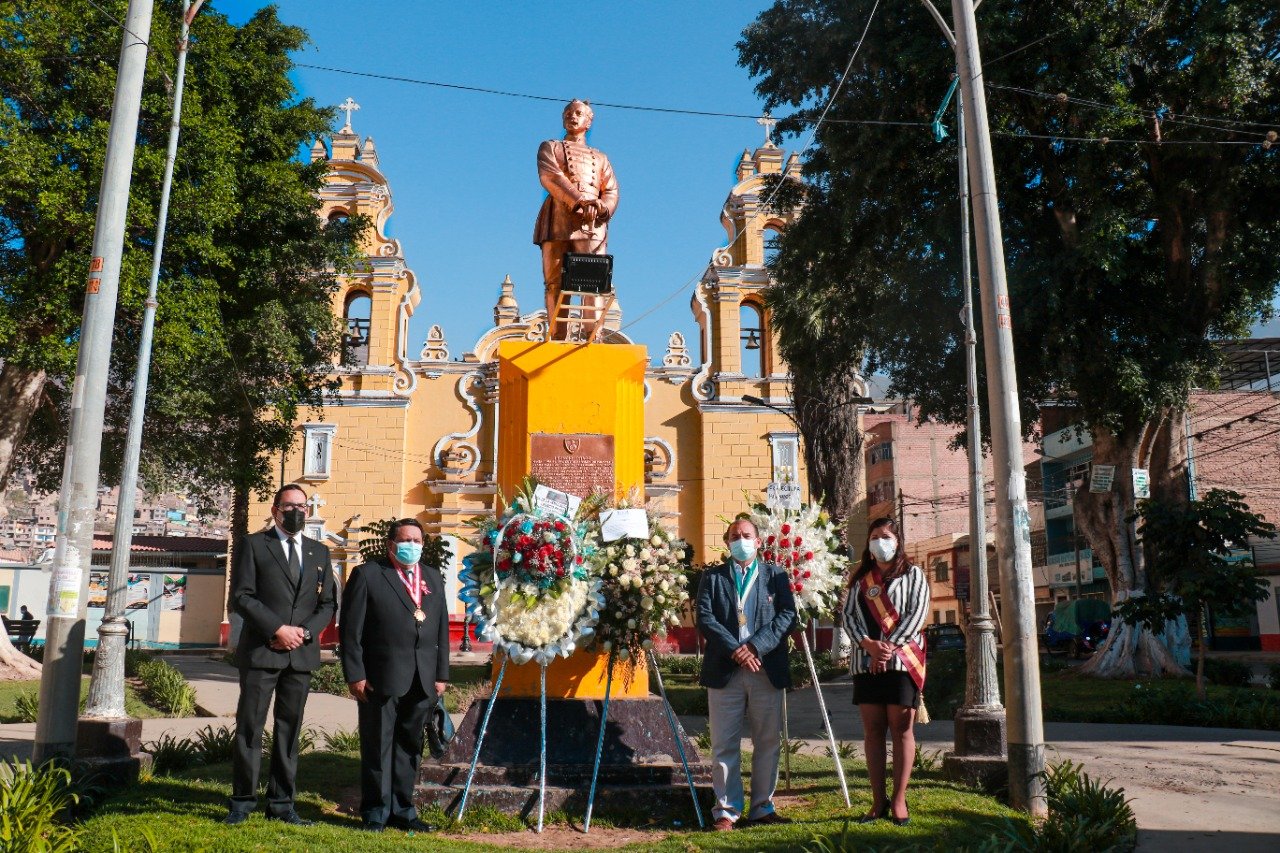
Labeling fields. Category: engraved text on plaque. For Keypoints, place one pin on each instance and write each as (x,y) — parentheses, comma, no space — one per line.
(578,463)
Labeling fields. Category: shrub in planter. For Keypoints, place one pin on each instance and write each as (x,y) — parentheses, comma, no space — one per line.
(214,746)
(32,799)
(328,678)
(170,754)
(27,706)
(1229,673)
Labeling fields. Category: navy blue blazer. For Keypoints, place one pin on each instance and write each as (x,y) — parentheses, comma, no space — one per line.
(775,618)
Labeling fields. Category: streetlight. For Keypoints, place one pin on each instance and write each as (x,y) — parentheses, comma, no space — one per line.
(105,726)
(1025,724)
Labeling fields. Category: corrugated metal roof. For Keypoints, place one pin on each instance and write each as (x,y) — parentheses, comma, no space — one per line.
(165,544)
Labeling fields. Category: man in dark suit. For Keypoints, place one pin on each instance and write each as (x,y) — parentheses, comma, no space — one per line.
(745,611)
(283,586)
(394,632)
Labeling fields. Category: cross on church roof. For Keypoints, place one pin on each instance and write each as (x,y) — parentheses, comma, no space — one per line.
(767,122)
(348,106)
(315,500)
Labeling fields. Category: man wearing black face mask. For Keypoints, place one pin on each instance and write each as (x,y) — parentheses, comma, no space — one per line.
(283,586)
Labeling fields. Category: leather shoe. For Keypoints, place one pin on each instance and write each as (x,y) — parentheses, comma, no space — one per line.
(722,825)
(899,821)
(291,819)
(414,825)
(768,819)
(235,818)
(373,827)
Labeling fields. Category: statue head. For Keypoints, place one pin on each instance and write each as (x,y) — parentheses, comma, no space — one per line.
(577,115)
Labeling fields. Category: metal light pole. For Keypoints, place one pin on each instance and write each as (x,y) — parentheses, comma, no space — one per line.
(1013,527)
(106,690)
(69,584)
(980,723)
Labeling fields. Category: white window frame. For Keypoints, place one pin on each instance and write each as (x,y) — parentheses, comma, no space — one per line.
(780,444)
(311,435)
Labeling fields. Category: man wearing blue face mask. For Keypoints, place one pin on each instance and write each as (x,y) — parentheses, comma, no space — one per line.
(745,611)
(394,629)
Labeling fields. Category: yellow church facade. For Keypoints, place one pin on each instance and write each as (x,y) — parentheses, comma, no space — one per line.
(413,429)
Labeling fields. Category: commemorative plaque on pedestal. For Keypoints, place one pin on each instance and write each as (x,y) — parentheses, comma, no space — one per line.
(572,416)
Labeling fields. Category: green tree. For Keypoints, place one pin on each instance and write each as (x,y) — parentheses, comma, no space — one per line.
(245,334)
(436,552)
(1199,562)
(1136,177)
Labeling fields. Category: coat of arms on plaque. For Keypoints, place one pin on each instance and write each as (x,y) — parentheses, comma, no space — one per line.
(572,445)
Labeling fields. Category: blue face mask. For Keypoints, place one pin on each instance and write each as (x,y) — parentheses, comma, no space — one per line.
(408,553)
(743,550)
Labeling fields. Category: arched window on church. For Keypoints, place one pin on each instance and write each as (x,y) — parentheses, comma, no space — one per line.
(772,238)
(338,215)
(752,347)
(355,343)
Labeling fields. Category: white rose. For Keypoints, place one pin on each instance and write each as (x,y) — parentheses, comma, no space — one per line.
(647,644)
(646,555)
(662,599)
(630,566)
(646,603)
(664,585)
(608,644)
(656,540)
(613,571)
(631,550)
(548,537)
(631,623)
(624,654)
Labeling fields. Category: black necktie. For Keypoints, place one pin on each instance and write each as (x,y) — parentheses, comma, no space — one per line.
(295,565)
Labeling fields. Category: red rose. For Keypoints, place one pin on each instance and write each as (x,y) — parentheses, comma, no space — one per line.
(806,575)
(770,540)
(560,572)
(768,555)
(795,555)
(798,542)
(796,587)
(785,543)
(786,529)
(808,555)
(579,560)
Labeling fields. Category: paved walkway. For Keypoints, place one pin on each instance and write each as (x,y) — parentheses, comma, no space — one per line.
(1192,788)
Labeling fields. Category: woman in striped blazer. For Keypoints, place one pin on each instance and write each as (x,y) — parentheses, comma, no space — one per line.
(885,613)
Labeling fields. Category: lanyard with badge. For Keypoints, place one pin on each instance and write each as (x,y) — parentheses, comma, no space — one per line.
(743,588)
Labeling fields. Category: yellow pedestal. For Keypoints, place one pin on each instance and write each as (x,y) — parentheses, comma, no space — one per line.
(582,675)
(572,389)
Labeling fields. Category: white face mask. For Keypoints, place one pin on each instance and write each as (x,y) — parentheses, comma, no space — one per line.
(883,549)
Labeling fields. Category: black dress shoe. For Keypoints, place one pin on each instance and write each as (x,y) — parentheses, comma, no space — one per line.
(291,819)
(235,818)
(899,821)
(414,825)
(373,827)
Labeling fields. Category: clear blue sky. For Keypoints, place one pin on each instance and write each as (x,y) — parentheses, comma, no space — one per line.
(462,165)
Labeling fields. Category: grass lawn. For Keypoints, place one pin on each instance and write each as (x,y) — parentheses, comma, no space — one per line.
(9,691)
(183,813)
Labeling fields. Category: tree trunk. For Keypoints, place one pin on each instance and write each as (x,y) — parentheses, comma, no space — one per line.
(1130,651)
(20,390)
(14,665)
(1201,634)
(239,513)
(827,411)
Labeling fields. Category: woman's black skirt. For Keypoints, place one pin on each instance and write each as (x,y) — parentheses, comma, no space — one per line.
(892,687)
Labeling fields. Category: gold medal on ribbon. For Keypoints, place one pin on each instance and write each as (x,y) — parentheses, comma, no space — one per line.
(873,591)
(419,616)
(742,619)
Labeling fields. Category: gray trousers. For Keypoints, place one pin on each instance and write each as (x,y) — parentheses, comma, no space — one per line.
(749,699)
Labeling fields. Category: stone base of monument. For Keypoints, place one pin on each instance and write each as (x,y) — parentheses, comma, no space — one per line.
(640,768)
(979,758)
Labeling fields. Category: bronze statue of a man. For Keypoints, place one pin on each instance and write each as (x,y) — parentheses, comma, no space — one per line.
(582,196)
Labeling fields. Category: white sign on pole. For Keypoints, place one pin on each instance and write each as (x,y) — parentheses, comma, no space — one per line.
(1101,479)
(783,495)
(1141,483)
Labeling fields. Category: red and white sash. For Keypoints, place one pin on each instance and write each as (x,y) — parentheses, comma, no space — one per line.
(875,593)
